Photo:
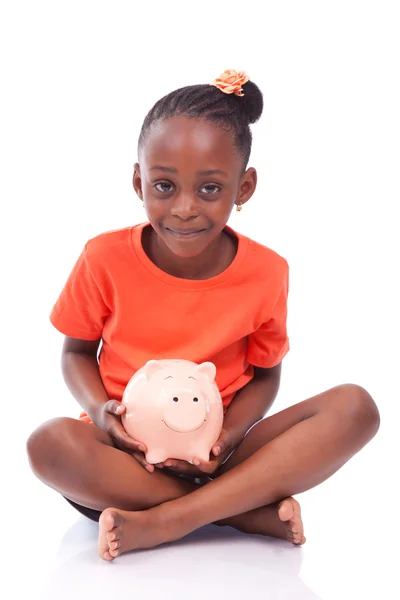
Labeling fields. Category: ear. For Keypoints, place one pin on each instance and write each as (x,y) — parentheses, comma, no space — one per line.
(137,180)
(247,186)
(151,367)
(208,369)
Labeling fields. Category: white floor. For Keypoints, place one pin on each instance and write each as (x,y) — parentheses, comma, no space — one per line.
(351,551)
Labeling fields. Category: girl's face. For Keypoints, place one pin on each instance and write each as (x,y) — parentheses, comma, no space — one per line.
(189,176)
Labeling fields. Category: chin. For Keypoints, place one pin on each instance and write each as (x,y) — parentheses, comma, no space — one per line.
(186,252)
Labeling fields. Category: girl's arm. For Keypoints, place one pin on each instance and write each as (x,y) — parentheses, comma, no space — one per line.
(251,403)
(82,376)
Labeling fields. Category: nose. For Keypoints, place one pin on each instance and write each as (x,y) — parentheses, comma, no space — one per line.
(184,206)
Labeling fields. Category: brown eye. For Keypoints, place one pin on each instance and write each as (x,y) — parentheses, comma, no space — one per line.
(175,399)
(211,189)
(163,185)
(195,399)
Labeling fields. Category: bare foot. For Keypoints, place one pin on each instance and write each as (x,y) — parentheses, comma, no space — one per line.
(281,520)
(290,514)
(122,530)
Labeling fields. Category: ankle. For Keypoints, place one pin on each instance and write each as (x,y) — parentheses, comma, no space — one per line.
(244,522)
(162,522)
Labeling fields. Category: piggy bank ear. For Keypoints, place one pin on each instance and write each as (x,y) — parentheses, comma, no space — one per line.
(151,367)
(208,369)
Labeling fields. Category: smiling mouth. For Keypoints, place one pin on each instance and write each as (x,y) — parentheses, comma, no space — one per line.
(184,235)
(190,430)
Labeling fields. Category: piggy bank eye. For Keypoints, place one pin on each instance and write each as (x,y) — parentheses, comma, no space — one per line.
(175,399)
(195,399)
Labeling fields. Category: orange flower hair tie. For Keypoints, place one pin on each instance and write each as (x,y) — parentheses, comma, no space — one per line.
(230,82)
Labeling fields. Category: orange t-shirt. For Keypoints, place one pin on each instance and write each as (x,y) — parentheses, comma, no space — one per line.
(236,319)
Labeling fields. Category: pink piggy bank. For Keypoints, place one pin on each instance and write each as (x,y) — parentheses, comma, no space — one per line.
(175,408)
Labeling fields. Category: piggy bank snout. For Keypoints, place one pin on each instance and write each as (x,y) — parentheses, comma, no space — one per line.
(185,412)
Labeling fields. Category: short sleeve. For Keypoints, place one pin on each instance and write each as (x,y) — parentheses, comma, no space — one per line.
(80,310)
(270,343)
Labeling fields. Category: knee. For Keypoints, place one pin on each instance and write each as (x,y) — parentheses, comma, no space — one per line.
(360,408)
(45,446)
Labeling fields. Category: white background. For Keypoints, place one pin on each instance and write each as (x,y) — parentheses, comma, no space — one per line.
(77,80)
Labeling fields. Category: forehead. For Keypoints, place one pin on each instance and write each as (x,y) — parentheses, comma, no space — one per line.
(192,143)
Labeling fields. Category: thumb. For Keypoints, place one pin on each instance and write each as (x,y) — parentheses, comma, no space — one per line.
(115,407)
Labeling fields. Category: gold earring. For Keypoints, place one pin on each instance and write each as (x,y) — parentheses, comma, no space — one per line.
(239,207)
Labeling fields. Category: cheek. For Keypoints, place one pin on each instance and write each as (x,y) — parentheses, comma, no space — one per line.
(147,189)
(152,203)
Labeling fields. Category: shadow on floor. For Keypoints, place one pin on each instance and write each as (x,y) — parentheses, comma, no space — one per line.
(207,562)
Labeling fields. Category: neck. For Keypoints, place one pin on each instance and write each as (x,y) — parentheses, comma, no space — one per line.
(202,266)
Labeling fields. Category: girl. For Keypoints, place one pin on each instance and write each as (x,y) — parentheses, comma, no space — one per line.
(185,285)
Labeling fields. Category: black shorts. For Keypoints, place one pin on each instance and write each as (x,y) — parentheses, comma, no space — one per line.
(90,513)
(94,515)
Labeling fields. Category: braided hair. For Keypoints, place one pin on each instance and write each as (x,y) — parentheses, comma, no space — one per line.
(230,112)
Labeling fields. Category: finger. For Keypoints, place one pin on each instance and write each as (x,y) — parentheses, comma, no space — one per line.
(118,444)
(181,466)
(217,449)
(118,433)
(176,464)
(139,456)
(204,466)
(200,464)
(129,440)
(142,461)
(221,444)
(115,408)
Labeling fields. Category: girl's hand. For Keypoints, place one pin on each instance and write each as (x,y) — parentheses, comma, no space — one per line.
(110,422)
(219,452)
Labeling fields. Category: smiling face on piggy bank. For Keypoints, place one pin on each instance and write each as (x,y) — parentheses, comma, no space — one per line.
(174,407)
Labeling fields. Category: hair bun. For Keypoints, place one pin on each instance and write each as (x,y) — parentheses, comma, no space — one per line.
(252,102)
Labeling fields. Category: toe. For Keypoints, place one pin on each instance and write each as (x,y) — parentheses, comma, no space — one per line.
(108,531)
(112,536)
(286,510)
(114,545)
(298,539)
(293,527)
(290,512)
(106,521)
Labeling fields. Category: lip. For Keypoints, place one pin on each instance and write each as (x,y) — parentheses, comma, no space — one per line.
(184,233)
